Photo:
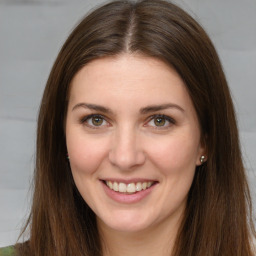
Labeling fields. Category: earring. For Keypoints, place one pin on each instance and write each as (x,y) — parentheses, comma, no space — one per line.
(67,156)
(202,159)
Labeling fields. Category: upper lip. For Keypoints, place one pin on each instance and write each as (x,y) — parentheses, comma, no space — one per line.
(128,181)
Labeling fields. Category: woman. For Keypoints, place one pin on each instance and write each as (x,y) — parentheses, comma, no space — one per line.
(137,143)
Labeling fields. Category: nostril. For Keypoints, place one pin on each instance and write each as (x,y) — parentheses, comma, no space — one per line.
(125,160)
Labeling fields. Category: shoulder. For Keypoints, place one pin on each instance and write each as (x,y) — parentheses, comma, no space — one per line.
(7,251)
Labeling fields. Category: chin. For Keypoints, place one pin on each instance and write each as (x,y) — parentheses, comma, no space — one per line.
(127,222)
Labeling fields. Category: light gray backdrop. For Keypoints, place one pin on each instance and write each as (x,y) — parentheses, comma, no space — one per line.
(32,32)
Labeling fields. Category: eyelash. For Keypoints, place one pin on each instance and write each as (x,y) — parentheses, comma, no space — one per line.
(85,120)
(160,116)
(171,121)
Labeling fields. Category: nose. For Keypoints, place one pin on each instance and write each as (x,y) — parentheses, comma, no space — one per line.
(126,152)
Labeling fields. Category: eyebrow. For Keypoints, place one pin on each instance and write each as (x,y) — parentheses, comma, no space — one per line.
(145,110)
(154,108)
(93,107)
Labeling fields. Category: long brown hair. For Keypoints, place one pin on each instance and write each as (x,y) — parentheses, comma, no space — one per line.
(218,216)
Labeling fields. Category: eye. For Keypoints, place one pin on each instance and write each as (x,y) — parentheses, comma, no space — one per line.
(160,121)
(94,121)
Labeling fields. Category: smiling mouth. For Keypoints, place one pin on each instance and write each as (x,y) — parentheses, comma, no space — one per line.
(129,188)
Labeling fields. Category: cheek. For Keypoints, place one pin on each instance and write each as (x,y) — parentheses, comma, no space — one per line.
(177,154)
(86,154)
(176,161)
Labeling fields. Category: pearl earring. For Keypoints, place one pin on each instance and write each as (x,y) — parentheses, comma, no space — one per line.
(202,159)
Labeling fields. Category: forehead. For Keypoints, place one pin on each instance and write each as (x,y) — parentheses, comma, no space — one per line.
(127,76)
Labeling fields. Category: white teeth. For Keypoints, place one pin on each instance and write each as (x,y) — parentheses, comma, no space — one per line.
(115,186)
(131,188)
(150,183)
(138,186)
(110,185)
(122,187)
(128,188)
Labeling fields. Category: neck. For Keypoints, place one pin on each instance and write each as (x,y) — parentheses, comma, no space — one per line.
(158,240)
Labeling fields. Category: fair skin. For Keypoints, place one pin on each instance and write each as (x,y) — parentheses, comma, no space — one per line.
(134,142)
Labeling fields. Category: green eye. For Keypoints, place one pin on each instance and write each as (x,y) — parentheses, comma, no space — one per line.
(94,121)
(159,121)
(97,120)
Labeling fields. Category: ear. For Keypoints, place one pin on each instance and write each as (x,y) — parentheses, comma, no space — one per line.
(202,151)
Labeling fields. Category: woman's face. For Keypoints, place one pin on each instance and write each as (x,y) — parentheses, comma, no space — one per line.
(133,141)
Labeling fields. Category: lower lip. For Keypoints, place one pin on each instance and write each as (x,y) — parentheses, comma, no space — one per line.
(127,198)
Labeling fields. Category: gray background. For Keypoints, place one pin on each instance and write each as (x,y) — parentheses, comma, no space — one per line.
(31,34)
